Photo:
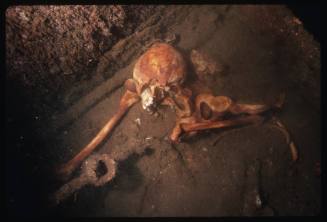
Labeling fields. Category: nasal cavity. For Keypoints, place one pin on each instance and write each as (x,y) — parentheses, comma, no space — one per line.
(159,93)
(101,169)
(205,111)
(174,89)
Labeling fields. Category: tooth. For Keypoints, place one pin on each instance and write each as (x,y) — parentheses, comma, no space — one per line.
(147,99)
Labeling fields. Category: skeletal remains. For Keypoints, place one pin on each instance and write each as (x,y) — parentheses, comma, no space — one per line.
(160,78)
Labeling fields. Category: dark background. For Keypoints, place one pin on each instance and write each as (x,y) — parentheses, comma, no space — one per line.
(310,16)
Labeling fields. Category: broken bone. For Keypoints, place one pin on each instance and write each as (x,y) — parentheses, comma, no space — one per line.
(252,197)
(88,176)
(96,170)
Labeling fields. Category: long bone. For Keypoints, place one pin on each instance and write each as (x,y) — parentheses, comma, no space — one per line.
(218,106)
(210,116)
(189,127)
(129,98)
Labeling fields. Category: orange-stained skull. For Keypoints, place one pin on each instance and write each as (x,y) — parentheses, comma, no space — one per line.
(156,71)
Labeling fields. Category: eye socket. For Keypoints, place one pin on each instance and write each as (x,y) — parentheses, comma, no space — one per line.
(173,88)
(205,111)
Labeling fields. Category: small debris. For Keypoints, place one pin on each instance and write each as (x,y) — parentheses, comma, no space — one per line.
(204,149)
(171,38)
(294,152)
(258,201)
(252,198)
(88,176)
(297,21)
(148,138)
(138,121)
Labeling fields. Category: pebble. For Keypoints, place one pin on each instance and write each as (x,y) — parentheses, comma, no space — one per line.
(258,201)
(149,138)
(138,121)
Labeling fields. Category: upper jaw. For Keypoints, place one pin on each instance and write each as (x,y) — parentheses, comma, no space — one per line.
(148,101)
(152,96)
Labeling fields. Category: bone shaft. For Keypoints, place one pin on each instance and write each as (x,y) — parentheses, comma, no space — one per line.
(97,139)
(221,124)
(86,151)
(249,109)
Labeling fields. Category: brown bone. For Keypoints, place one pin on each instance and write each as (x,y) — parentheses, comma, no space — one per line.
(189,127)
(210,111)
(128,99)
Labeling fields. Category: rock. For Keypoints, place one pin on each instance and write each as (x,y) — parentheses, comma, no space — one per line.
(204,65)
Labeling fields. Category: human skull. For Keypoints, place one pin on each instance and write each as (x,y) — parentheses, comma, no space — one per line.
(156,71)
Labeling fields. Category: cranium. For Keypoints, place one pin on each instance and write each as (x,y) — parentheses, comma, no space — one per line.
(158,78)
(156,71)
